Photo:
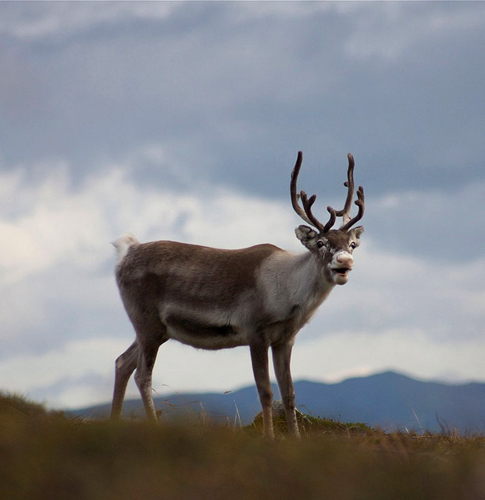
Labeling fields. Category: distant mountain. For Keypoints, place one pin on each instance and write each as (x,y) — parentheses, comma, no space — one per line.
(393,401)
(388,400)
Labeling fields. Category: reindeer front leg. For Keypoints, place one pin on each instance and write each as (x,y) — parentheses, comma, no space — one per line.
(281,361)
(259,359)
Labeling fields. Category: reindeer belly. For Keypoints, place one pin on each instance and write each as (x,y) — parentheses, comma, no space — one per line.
(203,332)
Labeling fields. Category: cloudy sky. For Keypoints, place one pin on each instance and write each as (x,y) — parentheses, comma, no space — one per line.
(183,120)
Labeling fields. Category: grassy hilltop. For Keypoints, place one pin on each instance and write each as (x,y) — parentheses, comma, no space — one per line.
(47,455)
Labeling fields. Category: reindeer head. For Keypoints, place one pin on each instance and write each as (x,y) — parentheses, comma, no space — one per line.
(332,247)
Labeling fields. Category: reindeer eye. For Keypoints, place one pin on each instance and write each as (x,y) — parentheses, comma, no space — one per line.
(353,245)
(320,243)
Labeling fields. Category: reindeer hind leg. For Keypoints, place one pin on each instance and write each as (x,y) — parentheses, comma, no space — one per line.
(149,341)
(125,366)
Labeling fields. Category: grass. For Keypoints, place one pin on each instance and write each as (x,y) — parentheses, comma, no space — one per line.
(47,455)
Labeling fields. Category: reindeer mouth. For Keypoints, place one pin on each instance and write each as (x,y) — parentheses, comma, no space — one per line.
(342,271)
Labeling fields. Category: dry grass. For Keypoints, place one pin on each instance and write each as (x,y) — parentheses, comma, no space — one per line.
(45,455)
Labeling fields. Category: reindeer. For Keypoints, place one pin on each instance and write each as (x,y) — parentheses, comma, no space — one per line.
(214,299)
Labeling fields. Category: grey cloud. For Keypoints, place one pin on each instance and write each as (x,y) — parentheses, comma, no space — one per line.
(439,226)
(230,95)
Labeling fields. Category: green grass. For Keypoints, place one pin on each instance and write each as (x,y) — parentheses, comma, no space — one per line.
(47,455)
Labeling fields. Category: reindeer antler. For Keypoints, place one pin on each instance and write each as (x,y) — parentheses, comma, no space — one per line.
(306,212)
(360,202)
(349,184)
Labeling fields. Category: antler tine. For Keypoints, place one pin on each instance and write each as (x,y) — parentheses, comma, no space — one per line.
(294,195)
(306,212)
(349,184)
(360,202)
(331,221)
(307,205)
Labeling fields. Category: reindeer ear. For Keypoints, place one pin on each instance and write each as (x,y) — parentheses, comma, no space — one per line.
(355,235)
(356,232)
(307,236)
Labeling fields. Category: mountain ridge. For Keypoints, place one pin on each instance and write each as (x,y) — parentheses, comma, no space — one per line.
(389,400)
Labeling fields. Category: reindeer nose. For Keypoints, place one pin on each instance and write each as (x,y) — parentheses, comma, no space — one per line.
(344,258)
